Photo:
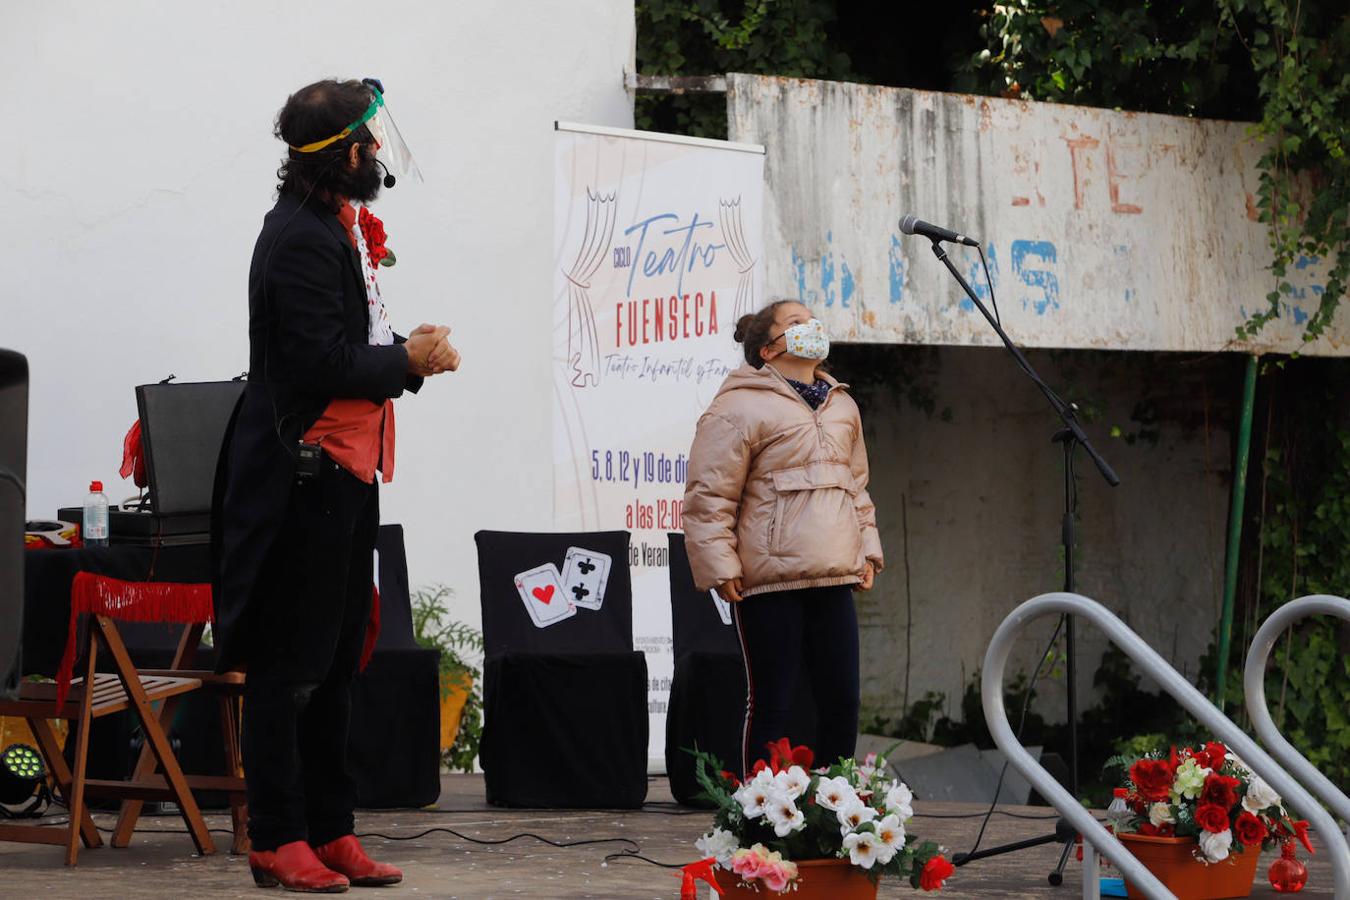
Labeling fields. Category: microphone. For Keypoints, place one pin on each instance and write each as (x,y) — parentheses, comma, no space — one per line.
(912,225)
(389,180)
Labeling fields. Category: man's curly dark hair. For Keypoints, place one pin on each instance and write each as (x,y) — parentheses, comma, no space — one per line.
(314,112)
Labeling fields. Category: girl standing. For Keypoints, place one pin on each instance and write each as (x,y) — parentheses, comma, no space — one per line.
(777,519)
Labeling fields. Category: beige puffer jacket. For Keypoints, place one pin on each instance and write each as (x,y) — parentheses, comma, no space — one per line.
(777,492)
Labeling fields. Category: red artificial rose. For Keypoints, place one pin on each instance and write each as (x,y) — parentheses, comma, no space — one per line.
(1216,753)
(783,756)
(1212,817)
(935,871)
(372,230)
(1250,830)
(1153,779)
(1220,790)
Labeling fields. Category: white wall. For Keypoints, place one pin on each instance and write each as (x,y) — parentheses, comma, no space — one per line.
(139,165)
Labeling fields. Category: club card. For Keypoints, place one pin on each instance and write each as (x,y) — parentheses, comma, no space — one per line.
(585,575)
(723,607)
(542,593)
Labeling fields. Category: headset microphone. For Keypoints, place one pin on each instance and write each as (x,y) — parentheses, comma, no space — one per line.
(389,179)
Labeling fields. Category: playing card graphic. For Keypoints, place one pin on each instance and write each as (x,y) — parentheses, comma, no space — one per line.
(723,607)
(542,593)
(585,575)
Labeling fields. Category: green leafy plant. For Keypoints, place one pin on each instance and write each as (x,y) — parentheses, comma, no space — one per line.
(698,37)
(1304,537)
(461,648)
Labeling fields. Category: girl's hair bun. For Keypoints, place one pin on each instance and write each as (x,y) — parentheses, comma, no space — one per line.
(743,328)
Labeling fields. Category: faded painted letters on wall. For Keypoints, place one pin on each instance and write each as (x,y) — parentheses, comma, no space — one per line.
(1102,229)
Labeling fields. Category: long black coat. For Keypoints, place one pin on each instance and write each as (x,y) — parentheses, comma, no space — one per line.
(307,328)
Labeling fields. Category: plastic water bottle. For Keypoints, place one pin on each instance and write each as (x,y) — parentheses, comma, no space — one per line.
(96,516)
(1117,814)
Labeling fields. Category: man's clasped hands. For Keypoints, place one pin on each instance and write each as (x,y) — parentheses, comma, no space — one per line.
(430,352)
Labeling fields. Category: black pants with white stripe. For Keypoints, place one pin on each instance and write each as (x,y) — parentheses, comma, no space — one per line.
(800,640)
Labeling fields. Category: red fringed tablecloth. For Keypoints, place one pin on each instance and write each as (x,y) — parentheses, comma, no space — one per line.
(129,601)
(156,601)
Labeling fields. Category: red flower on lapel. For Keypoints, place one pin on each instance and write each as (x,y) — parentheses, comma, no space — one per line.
(372,229)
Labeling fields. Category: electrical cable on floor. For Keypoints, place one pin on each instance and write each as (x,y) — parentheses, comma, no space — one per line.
(641,858)
(489,842)
(997,812)
(563,845)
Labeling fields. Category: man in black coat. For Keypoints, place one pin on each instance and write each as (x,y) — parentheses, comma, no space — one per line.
(296,521)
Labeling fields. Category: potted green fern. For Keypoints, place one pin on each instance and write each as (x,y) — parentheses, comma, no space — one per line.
(461,649)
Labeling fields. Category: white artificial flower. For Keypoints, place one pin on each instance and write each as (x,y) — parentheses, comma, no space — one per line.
(900,801)
(834,793)
(718,844)
(794,782)
(755,797)
(862,849)
(854,814)
(891,834)
(1260,796)
(1161,814)
(1216,846)
(784,815)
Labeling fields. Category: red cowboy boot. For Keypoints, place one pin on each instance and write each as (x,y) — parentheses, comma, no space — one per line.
(346,855)
(296,868)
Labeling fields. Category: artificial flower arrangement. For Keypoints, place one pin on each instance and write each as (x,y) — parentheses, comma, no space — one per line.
(788,812)
(1209,794)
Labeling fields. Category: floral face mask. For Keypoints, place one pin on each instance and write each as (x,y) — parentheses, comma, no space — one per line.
(807,340)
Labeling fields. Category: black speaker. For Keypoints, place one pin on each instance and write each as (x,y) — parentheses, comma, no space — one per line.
(13,472)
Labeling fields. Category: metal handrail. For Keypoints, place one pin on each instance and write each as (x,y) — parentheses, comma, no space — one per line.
(1153,665)
(1254,685)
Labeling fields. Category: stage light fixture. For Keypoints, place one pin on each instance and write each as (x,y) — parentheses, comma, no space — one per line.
(22,774)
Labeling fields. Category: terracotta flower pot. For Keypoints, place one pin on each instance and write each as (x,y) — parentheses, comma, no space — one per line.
(1172,860)
(454,693)
(817,879)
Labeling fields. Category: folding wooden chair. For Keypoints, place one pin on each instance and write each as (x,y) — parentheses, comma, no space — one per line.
(91,697)
(229,691)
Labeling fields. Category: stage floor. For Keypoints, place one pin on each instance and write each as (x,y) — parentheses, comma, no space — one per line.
(444,866)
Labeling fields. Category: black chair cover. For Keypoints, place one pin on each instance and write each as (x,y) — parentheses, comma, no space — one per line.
(565,706)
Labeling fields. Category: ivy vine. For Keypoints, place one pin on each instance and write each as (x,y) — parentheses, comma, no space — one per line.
(1305,530)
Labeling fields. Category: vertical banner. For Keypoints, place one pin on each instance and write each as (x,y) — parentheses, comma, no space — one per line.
(657,251)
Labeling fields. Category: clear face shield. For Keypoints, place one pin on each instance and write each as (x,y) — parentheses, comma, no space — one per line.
(391,150)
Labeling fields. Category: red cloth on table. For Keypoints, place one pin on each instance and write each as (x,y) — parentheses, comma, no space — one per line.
(130,601)
(156,601)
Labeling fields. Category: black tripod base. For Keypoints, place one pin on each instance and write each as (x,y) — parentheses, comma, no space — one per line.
(1064,834)
(1056,877)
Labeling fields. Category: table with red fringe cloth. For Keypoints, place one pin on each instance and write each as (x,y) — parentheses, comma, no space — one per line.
(131,584)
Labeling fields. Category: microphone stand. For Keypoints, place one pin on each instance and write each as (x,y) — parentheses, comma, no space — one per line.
(1070,437)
